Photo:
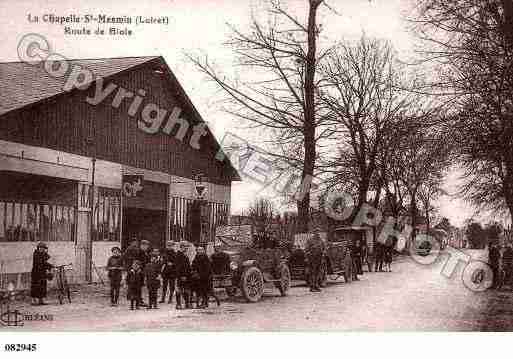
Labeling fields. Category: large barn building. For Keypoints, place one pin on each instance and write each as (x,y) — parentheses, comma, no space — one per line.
(132,134)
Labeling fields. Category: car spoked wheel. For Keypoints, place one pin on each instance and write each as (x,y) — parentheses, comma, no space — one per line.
(252,284)
(284,284)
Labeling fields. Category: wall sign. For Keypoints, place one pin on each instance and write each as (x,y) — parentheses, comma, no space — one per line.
(133,185)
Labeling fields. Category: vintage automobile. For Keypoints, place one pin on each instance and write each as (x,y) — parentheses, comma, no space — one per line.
(247,267)
(337,260)
(422,248)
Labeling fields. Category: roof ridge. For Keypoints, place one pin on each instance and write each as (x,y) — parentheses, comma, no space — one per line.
(92,58)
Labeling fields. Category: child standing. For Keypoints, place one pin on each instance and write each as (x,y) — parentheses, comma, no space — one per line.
(183,277)
(388,257)
(152,273)
(115,266)
(135,281)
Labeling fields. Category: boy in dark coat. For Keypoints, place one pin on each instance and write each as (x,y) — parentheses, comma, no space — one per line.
(39,274)
(168,272)
(183,273)
(202,270)
(115,266)
(151,274)
(135,282)
(145,252)
(132,253)
(379,251)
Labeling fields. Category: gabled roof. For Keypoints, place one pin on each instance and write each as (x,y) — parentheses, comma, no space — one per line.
(24,84)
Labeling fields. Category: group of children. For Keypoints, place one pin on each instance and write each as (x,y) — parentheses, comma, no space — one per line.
(383,257)
(149,267)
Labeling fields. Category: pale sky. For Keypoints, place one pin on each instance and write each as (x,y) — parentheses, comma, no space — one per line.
(200,25)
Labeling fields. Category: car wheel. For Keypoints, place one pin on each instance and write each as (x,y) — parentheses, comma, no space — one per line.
(252,284)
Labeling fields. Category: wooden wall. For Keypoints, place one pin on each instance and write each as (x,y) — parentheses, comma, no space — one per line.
(68,123)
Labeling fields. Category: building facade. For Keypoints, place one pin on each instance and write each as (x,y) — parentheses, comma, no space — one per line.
(85,175)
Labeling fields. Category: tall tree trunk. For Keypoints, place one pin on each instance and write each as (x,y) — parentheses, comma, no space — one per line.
(508,192)
(363,190)
(303,204)
(428,221)
(413,214)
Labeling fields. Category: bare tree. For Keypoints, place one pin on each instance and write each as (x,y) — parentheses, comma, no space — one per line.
(261,214)
(277,91)
(365,92)
(470,44)
(424,157)
(429,192)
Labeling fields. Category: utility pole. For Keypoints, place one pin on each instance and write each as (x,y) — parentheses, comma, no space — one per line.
(89,248)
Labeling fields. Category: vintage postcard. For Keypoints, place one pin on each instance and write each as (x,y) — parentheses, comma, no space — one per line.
(260,165)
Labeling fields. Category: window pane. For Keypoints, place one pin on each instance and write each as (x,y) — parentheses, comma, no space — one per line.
(45,223)
(17,214)
(31,222)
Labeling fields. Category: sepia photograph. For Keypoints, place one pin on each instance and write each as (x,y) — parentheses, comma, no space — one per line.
(293,166)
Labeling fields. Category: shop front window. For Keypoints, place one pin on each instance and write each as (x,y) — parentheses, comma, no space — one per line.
(21,221)
(107,215)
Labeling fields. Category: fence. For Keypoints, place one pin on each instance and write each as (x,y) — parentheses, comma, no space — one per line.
(180,226)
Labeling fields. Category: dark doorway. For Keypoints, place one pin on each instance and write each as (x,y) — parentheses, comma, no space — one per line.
(146,224)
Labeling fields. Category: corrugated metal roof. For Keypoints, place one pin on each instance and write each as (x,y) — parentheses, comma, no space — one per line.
(23,84)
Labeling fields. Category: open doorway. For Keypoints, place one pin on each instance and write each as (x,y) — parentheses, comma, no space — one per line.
(149,224)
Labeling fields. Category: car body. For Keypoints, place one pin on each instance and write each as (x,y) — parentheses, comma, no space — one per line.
(423,248)
(337,257)
(250,267)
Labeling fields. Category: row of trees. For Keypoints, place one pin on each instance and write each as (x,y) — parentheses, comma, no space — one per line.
(479,236)
(468,44)
(352,115)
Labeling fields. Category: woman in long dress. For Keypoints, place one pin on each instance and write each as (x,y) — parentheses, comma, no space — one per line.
(39,274)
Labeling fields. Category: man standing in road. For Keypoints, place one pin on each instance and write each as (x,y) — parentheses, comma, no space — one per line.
(507,263)
(314,251)
(494,256)
(356,255)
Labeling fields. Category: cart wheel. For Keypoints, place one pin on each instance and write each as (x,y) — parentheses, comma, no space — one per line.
(252,284)
(284,284)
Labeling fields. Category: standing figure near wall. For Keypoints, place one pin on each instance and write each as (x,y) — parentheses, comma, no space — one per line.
(183,280)
(40,274)
(114,268)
